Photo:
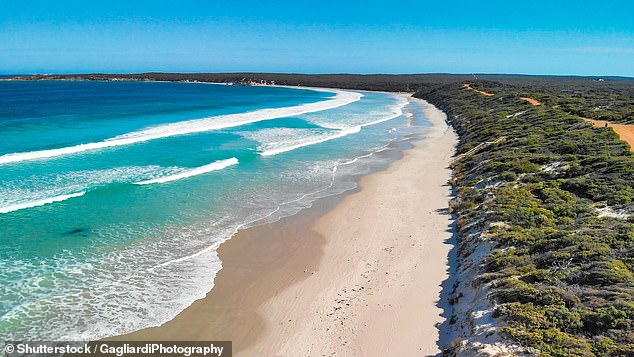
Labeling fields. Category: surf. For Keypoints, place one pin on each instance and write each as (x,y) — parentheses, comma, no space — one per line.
(214,166)
(341,131)
(42,202)
(219,122)
(311,141)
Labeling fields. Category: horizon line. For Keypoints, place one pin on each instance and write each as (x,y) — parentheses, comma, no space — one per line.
(316,74)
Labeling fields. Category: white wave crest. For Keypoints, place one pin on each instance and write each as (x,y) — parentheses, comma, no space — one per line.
(310,141)
(214,166)
(190,127)
(358,117)
(341,131)
(23,192)
(41,202)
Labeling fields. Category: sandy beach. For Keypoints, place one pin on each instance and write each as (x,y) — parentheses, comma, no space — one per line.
(360,275)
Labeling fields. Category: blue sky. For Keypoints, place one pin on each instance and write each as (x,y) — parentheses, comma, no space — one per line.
(533,37)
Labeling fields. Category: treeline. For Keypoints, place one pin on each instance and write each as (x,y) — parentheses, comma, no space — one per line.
(555,199)
(380,82)
(609,98)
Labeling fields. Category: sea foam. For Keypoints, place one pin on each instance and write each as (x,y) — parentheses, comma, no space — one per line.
(311,141)
(190,127)
(37,190)
(338,130)
(41,202)
(214,166)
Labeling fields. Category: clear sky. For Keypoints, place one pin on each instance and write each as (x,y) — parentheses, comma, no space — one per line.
(319,36)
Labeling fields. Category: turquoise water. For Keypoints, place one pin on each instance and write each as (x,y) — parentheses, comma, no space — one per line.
(115,195)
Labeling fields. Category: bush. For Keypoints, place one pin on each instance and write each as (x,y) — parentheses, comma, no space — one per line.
(563,278)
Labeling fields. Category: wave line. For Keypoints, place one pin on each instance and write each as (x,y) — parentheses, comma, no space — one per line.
(41,202)
(214,166)
(322,139)
(341,98)
(397,111)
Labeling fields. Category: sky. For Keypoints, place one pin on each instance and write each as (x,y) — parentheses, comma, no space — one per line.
(326,36)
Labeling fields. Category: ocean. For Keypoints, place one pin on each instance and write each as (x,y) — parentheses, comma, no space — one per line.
(114,196)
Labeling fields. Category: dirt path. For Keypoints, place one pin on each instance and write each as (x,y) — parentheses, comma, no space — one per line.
(469,87)
(531,100)
(625,131)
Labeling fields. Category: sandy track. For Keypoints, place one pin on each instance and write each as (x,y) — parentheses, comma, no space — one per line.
(625,131)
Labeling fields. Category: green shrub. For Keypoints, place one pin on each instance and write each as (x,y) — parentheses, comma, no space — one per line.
(562,276)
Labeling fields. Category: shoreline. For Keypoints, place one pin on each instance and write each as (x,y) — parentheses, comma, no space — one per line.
(309,284)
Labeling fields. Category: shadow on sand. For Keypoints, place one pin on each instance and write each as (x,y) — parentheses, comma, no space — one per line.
(446,330)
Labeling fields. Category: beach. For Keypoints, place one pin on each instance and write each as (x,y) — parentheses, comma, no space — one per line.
(355,275)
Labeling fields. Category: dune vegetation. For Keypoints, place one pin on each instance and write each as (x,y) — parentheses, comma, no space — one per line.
(555,201)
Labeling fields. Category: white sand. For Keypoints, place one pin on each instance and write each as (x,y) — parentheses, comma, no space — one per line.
(377,287)
(363,280)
